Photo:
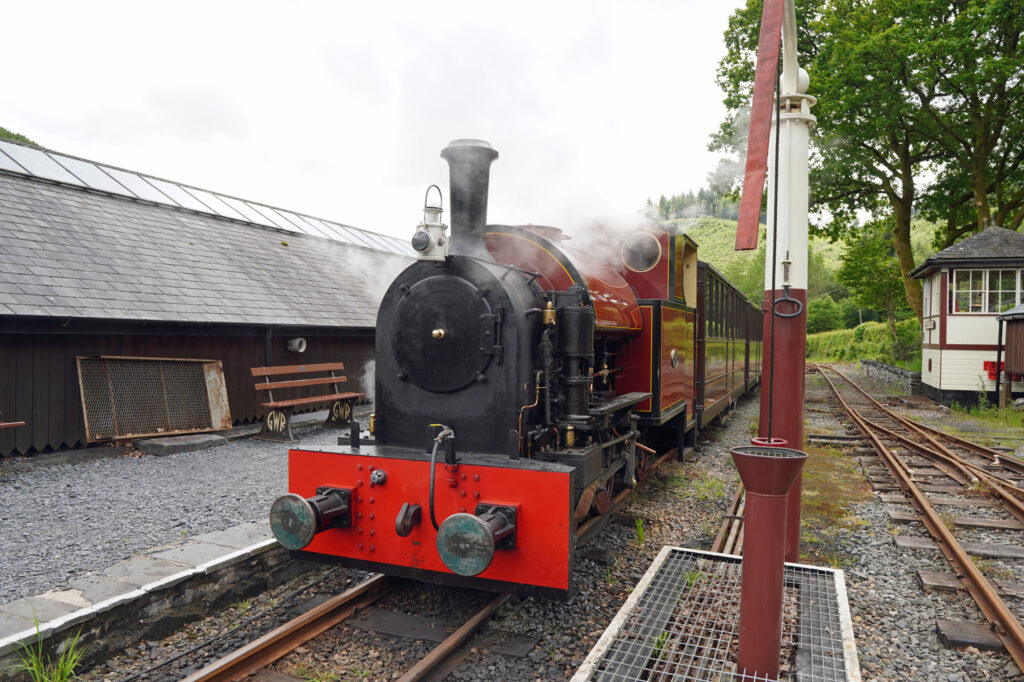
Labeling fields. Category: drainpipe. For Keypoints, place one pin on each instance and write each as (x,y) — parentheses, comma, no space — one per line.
(768,474)
(999,361)
(270,335)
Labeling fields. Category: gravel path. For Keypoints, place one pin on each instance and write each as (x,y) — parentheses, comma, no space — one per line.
(62,521)
(894,619)
(681,505)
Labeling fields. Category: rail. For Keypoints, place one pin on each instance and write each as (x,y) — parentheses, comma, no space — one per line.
(1006,626)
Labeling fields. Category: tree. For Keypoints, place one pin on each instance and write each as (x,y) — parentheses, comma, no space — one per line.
(823,314)
(919,107)
(868,146)
(8,135)
(968,60)
(871,273)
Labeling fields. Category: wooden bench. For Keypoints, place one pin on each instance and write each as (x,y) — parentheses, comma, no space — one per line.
(277,424)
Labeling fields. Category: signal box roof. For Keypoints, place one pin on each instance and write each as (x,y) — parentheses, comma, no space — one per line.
(992,247)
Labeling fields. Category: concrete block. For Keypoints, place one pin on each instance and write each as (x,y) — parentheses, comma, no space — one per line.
(10,625)
(240,431)
(33,609)
(222,562)
(192,554)
(172,445)
(97,589)
(238,537)
(171,580)
(142,570)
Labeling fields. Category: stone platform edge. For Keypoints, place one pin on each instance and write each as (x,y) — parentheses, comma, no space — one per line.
(208,573)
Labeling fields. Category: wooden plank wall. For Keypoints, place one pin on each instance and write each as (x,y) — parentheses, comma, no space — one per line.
(39,376)
(1014,359)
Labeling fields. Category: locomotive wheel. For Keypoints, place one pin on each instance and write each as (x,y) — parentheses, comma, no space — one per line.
(642,465)
(603,498)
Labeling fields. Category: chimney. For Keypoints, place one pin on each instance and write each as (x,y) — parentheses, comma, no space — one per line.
(767,474)
(469,162)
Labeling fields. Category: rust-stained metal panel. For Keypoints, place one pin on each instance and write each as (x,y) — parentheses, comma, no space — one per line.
(130,397)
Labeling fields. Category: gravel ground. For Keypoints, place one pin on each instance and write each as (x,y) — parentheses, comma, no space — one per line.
(894,619)
(681,505)
(61,521)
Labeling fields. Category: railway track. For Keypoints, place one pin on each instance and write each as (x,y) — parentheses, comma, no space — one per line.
(274,645)
(931,470)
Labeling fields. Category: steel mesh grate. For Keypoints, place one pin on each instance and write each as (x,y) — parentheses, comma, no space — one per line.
(684,625)
(127,397)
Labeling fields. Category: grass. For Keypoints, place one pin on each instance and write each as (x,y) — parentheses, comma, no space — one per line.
(693,482)
(38,665)
(990,414)
(307,672)
(947,520)
(659,643)
(832,486)
(639,523)
(990,569)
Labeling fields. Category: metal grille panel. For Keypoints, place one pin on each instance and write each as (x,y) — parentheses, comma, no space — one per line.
(682,623)
(131,397)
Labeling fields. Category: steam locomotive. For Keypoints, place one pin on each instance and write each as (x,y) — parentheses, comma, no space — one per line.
(520,385)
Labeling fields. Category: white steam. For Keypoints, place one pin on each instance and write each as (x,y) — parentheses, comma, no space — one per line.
(602,238)
(368,379)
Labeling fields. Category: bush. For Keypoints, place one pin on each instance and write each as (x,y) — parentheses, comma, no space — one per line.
(823,314)
(870,340)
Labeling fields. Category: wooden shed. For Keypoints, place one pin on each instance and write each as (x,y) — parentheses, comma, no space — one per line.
(100,261)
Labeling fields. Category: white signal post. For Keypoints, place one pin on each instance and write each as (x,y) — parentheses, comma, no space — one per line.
(795,130)
(782,391)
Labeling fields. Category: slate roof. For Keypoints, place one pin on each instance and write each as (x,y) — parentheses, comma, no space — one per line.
(70,252)
(991,247)
(1013,313)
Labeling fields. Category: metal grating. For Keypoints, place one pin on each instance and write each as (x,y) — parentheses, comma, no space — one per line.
(130,397)
(682,623)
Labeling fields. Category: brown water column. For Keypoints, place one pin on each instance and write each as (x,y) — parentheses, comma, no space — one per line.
(768,474)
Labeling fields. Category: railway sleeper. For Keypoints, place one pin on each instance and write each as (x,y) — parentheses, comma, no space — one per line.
(937,581)
(963,521)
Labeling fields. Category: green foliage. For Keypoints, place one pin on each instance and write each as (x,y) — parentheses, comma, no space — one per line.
(872,274)
(639,523)
(17,137)
(706,203)
(869,341)
(823,314)
(38,665)
(916,103)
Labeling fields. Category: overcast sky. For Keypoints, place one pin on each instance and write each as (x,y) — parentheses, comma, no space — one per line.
(340,110)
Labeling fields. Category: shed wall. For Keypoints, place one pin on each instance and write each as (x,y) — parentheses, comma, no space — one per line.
(1014,349)
(39,378)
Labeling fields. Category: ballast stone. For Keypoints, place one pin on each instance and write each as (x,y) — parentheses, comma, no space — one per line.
(172,445)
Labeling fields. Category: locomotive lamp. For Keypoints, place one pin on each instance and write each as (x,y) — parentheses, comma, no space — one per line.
(430,240)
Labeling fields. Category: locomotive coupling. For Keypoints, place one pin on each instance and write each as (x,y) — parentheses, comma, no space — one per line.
(294,520)
(467,542)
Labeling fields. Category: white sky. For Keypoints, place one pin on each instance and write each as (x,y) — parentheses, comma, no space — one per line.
(340,109)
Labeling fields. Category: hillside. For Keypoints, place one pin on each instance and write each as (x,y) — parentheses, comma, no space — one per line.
(716,238)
